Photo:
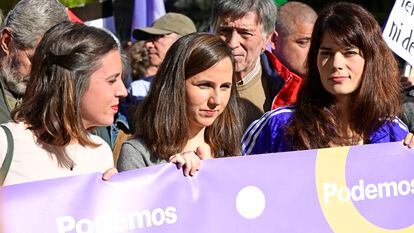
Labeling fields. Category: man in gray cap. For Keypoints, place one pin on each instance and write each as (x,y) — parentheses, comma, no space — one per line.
(158,39)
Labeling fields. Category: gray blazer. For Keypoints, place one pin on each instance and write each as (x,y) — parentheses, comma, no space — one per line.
(135,154)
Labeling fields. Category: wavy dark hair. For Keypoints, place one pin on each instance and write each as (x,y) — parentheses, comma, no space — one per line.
(65,59)
(377,99)
(162,121)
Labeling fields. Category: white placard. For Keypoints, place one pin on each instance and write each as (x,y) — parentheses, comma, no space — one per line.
(399,30)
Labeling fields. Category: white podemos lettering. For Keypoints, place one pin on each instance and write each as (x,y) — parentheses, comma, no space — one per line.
(361,191)
(109,223)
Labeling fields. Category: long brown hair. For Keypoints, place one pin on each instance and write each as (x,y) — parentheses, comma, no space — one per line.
(378,97)
(162,121)
(63,62)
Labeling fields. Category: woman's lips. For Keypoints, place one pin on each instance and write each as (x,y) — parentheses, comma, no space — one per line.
(338,79)
(210,112)
(115,108)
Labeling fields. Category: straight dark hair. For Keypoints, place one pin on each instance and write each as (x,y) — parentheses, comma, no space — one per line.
(378,98)
(162,121)
(63,62)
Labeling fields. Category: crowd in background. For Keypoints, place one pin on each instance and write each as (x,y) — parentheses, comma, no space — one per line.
(72,101)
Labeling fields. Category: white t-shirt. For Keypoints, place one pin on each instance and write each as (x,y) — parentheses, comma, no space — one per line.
(31,162)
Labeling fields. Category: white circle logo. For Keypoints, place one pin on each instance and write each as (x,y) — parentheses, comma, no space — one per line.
(250,202)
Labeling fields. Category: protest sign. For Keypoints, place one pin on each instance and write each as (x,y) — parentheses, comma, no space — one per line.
(399,30)
(350,189)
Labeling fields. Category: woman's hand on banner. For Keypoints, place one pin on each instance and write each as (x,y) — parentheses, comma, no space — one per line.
(109,173)
(188,161)
(409,140)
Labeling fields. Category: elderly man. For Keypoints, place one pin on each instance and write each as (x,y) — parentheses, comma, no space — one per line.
(158,39)
(247,26)
(20,33)
(291,41)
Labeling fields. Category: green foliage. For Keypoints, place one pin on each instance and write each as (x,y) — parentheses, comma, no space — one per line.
(76,3)
(280,2)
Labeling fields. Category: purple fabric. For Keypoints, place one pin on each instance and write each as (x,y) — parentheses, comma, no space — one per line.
(146,12)
(207,202)
(267,134)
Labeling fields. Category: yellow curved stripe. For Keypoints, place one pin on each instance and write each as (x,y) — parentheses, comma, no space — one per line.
(342,216)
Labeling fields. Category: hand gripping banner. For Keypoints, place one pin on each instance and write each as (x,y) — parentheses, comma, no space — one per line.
(366,188)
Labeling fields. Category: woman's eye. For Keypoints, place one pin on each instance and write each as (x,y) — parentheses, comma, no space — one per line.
(204,85)
(324,53)
(225,86)
(350,53)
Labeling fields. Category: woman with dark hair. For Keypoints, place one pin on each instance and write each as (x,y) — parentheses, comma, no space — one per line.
(191,109)
(74,86)
(351,95)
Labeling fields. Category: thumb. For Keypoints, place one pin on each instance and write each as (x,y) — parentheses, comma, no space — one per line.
(109,173)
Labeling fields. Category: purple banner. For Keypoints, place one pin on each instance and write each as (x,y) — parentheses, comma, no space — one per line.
(349,189)
(146,12)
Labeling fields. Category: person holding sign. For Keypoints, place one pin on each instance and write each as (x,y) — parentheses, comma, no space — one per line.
(192,110)
(351,96)
(75,86)
(407,81)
